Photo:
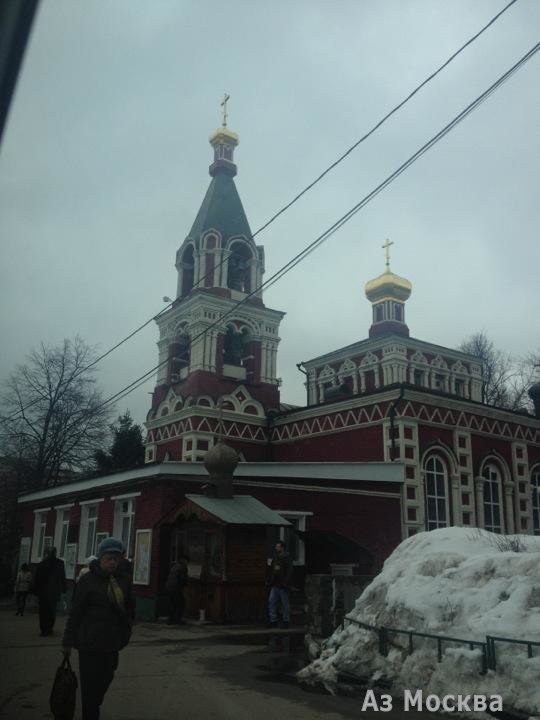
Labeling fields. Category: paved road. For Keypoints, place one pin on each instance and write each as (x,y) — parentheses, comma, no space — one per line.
(195,672)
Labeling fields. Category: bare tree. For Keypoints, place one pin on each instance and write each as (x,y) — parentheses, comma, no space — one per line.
(506,380)
(53,416)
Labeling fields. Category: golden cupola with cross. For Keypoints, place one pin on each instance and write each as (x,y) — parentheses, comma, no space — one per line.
(388,293)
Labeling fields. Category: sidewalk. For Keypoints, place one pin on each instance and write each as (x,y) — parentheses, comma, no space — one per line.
(197,672)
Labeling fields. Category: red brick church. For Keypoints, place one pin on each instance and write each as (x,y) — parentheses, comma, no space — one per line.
(394,438)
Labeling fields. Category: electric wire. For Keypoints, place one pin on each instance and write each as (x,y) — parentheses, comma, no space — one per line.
(347,216)
(295,199)
(371,131)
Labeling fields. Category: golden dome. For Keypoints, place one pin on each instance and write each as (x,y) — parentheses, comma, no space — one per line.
(224,134)
(388,286)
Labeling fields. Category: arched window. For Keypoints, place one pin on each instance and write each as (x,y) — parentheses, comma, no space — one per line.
(239,268)
(234,346)
(188,268)
(179,357)
(492,499)
(535,500)
(436,495)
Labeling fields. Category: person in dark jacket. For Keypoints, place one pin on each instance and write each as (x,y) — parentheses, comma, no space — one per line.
(280,581)
(99,625)
(49,584)
(125,567)
(176,582)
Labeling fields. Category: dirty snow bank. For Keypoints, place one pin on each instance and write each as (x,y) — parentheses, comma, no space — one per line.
(455,582)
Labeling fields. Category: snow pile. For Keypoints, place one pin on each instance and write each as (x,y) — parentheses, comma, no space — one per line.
(458,582)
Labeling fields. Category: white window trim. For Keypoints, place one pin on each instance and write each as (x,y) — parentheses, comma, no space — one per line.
(82,503)
(535,497)
(40,521)
(435,456)
(63,507)
(59,527)
(83,530)
(127,496)
(491,466)
(117,517)
(301,517)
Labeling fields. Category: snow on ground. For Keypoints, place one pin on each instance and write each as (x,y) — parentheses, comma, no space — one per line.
(455,582)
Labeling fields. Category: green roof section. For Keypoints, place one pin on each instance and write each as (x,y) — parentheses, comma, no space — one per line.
(222,210)
(239,510)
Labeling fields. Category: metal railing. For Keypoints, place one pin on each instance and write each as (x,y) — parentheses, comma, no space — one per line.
(488,657)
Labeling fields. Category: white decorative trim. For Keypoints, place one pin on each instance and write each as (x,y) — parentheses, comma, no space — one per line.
(126,496)
(63,507)
(91,502)
(42,510)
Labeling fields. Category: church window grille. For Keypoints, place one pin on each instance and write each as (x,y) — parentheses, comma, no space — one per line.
(460,388)
(436,495)
(535,500)
(398,312)
(492,499)
(418,377)
(379,313)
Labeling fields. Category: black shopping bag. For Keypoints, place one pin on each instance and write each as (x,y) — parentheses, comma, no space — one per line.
(64,692)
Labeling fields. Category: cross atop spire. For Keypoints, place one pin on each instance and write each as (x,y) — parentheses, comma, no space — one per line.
(224,102)
(386,247)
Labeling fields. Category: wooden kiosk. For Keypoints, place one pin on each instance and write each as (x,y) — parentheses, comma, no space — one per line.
(227,539)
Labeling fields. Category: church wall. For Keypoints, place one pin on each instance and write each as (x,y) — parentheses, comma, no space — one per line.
(359,444)
(374,522)
(429,435)
(482,446)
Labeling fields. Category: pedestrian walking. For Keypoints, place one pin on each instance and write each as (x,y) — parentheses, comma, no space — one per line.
(125,567)
(280,581)
(99,625)
(23,584)
(86,567)
(49,584)
(176,582)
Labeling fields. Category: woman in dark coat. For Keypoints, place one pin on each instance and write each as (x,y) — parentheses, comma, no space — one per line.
(99,625)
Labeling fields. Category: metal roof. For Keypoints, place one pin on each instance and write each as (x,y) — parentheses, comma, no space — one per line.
(379,472)
(239,510)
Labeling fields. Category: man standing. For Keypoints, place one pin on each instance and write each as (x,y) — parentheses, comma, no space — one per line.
(280,580)
(176,582)
(99,625)
(49,584)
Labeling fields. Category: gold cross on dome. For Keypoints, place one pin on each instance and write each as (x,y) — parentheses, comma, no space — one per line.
(386,248)
(226,98)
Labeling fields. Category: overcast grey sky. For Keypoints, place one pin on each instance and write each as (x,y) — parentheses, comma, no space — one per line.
(105,163)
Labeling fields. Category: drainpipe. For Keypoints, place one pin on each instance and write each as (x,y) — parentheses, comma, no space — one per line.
(392,415)
(302,370)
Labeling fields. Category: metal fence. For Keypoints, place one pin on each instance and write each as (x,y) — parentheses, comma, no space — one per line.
(488,656)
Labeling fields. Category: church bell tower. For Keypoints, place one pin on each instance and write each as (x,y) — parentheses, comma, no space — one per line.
(218,336)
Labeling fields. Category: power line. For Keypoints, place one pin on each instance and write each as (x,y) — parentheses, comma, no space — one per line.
(299,195)
(370,132)
(347,216)
(90,365)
